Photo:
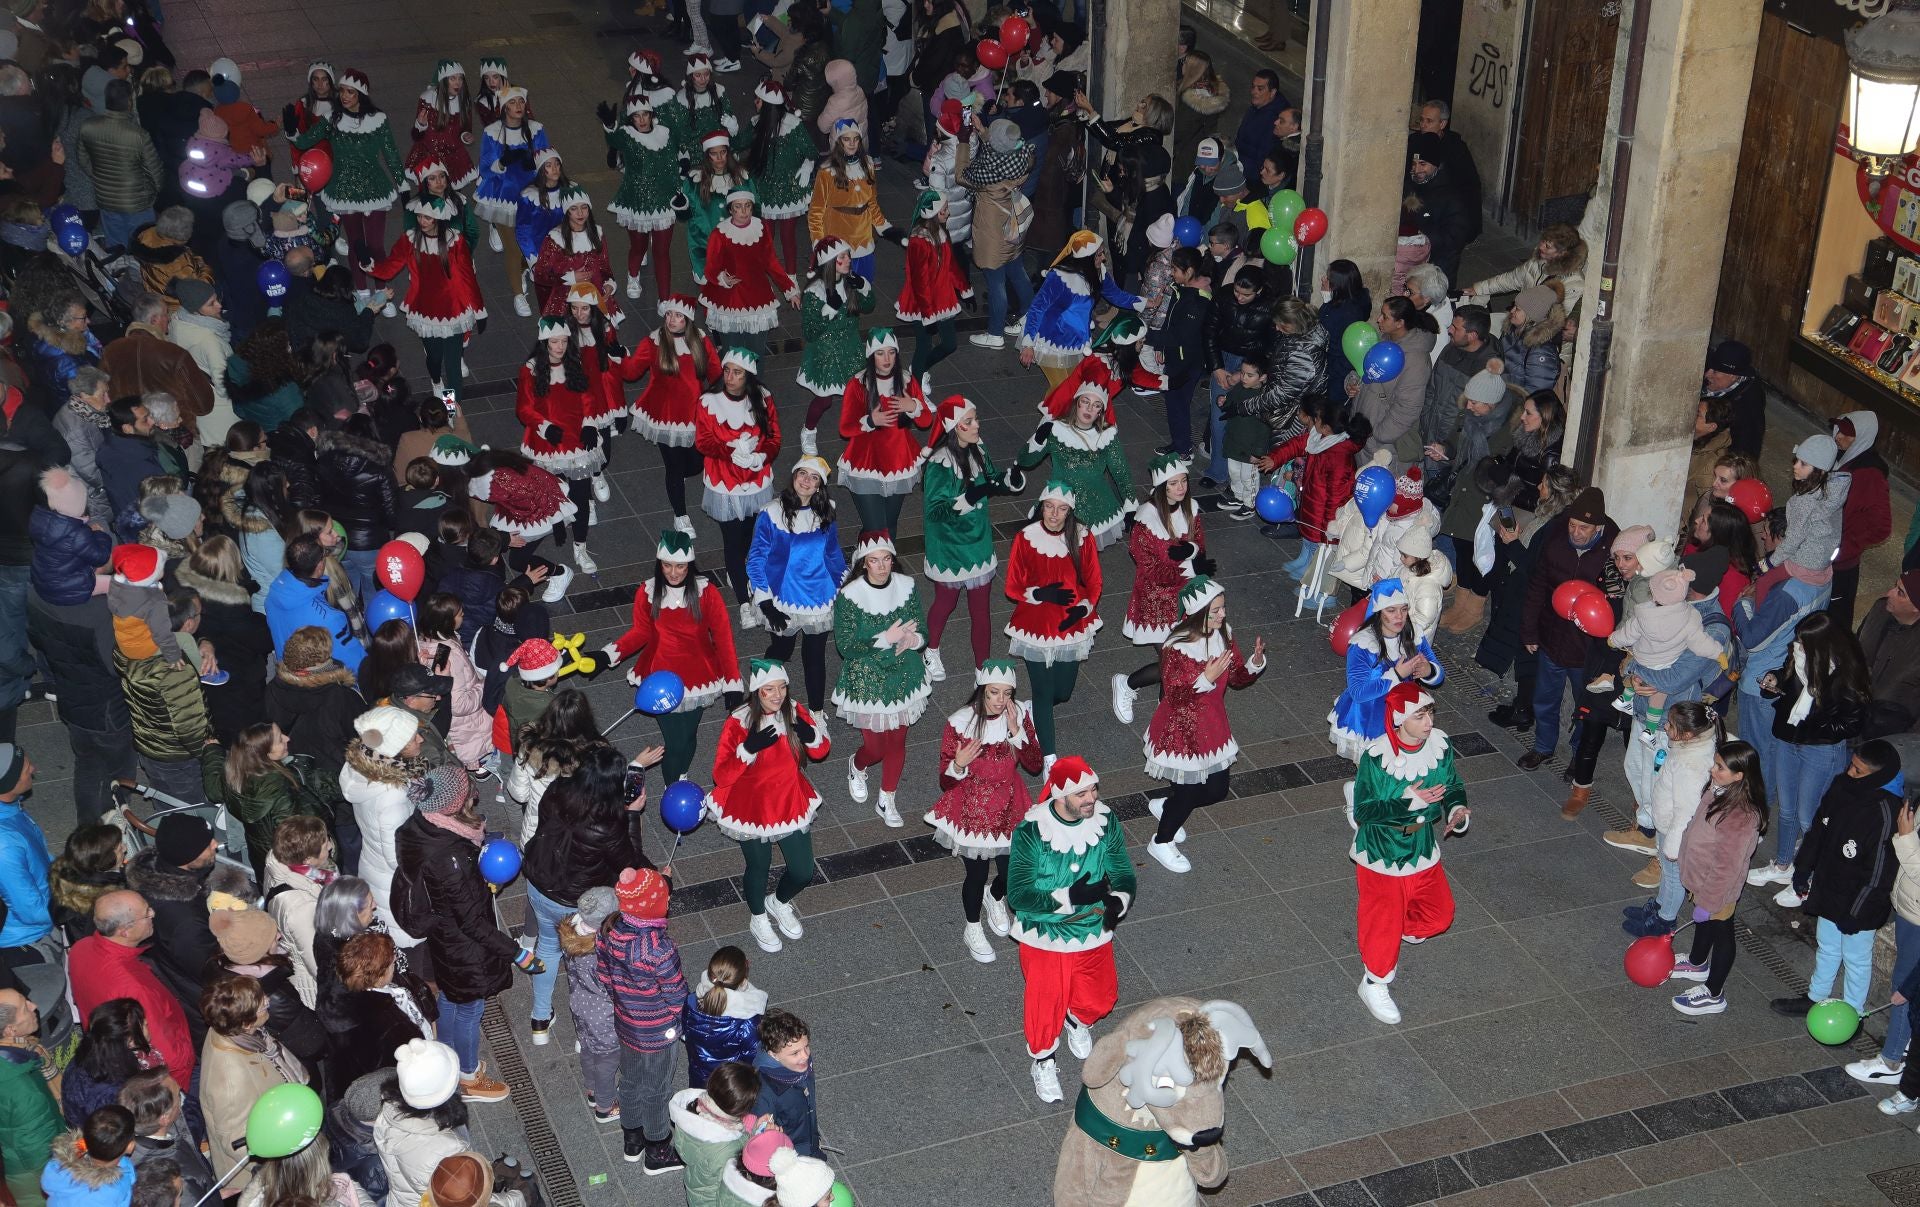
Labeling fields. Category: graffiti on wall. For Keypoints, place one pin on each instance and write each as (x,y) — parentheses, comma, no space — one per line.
(1488,76)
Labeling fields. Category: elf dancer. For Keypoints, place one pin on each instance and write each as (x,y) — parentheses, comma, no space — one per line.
(600,349)
(761,797)
(528,503)
(737,433)
(745,282)
(541,209)
(1084,446)
(649,180)
(1406,795)
(443,300)
(574,250)
(443,126)
(1059,326)
(680,624)
(680,365)
(493,88)
(780,159)
(845,203)
(434,180)
(1053,579)
(1113,362)
(1382,653)
(703,195)
(879,627)
(830,310)
(557,395)
(959,478)
(934,287)
(367,170)
(983,749)
(317,103)
(507,147)
(794,571)
(881,462)
(1069,882)
(706,97)
(1168,549)
(644,80)
(1189,743)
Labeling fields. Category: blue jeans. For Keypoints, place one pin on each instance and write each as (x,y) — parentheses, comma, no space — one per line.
(548,914)
(1011,275)
(1906,954)
(1803,775)
(359,564)
(1835,949)
(1549,687)
(459,1029)
(1671,894)
(1217,419)
(116,230)
(1179,398)
(1756,725)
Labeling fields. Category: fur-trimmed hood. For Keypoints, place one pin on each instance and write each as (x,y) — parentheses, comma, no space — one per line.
(1572,261)
(349,446)
(157,881)
(214,590)
(1202,101)
(381,770)
(234,511)
(77,1168)
(328,676)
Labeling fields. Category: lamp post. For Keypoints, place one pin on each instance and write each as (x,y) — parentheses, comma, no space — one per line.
(1883,114)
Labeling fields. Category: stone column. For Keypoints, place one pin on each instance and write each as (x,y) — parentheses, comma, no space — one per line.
(1140,39)
(1370,49)
(1693,103)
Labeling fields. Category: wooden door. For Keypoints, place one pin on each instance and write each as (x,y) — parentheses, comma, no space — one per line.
(1563,104)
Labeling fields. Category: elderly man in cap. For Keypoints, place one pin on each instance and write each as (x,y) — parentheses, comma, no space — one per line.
(1729,375)
(424,694)
(173,876)
(1197,200)
(1572,545)
(106,965)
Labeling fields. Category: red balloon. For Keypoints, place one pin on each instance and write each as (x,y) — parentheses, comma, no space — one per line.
(1346,625)
(1649,961)
(991,54)
(1567,593)
(1014,32)
(400,569)
(1753,499)
(1310,227)
(314,166)
(1593,616)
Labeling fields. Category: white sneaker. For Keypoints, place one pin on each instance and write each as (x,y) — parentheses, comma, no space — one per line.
(786,917)
(1046,764)
(1769,873)
(685,524)
(1876,1071)
(633,286)
(936,669)
(1079,1038)
(1379,1001)
(749,617)
(1016,327)
(809,442)
(1123,697)
(521,306)
(466,374)
(977,945)
(601,491)
(999,918)
(1416,940)
(1623,704)
(986,340)
(593,513)
(726,64)
(856,781)
(1649,737)
(1899,1104)
(1046,1080)
(762,929)
(583,560)
(1158,805)
(493,239)
(1788,898)
(557,585)
(885,808)
(390,311)
(1168,856)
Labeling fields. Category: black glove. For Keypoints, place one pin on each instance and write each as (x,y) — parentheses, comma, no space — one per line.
(776,619)
(732,700)
(613,159)
(978,491)
(589,436)
(605,113)
(1088,891)
(1204,565)
(1014,480)
(365,265)
(519,157)
(1041,433)
(1180,551)
(1053,593)
(590,666)
(1201,1139)
(895,235)
(622,424)
(290,119)
(679,206)
(761,738)
(1075,615)
(550,432)
(1113,907)
(804,728)
(480,328)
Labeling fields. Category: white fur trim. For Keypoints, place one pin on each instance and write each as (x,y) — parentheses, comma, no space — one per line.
(748,321)
(1076,839)
(430,327)
(744,236)
(360,123)
(1188,768)
(878,601)
(1149,516)
(691,1122)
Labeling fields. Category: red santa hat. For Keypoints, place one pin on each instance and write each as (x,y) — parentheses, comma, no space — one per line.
(356,79)
(1403,700)
(535,659)
(953,408)
(715,138)
(1069,774)
(1408,493)
(679,302)
(138,565)
(827,250)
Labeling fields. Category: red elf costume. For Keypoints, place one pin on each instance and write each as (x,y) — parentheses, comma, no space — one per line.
(443,296)
(666,637)
(744,250)
(737,454)
(882,459)
(1048,630)
(595,338)
(934,284)
(568,255)
(442,127)
(527,502)
(1101,367)
(664,411)
(1164,549)
(559,435)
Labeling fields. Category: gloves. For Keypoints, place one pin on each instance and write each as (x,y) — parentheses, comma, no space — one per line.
(978,491)
(679,205)
(613,158)
(589,436)
(1086,892)
(1075,615)
(803,727)
(776,619)
(732,700)
(1112,907)
(1204,565)
(1041,433)
(1180,551)
(895,235)
(761,738)
(1014,480)
(1053,593)
(743,457)
(590,665)
(550,432)
(1201,1139)
(529,963)
(365,265)
(605,113)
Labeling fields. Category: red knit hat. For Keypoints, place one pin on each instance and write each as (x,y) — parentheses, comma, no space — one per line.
(138,565)
(535,659)
(1403,700)
(1408,493)
(1069,774)
(642,893)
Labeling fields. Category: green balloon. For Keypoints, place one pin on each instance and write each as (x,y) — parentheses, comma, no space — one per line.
(842,1196)
(1355,340)
(283,1121)
(1287,204)
(1278,246)
(1833,1023)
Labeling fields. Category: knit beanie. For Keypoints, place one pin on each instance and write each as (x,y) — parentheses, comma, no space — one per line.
(1003,136)
(1589,507)
(363,1100)
(177,516)
(642,893)
(1409,492)
(595,904)
(386,730)
(1160,232)
(1655,556)
(799,1181)
(1631,539)
(1670,586)
(181,838)
(443,790)
(1535,301)
(1486,388)
(66,493)
(429,1073)
(245,936)
(1818,450)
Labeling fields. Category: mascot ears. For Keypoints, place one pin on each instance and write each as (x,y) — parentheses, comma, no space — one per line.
(1237,1032)
(1157,1068)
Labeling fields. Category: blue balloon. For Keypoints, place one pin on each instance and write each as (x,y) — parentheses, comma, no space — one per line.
(1372,492)
(1274,505)
(72,238)
(272,279)
(658,693)
(1384,362)
(388,606)
(499,861)
(681,805)
(1187,232)
(64,215)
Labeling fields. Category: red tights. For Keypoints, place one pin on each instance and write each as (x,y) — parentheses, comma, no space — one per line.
(818,408)
(979,618)
(658,242)
(787,231)
(888,748)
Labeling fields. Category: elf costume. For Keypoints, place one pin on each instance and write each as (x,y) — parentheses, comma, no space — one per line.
(703,199)
(1355,719)
(738,469)
(527,503)
(1163,550)
(367,168)
(795,563)
(465,220)
(1093,464)
(542,208)
(883,684)
(881,458)
(557,420)
(830,325)
(506,164)
(786,183)
(664,411)
(300,115)
(845,204)
(1059,323)
(959,526)
(442,134)
(934,283)
(1066,953)
(1396,842)
(710,108)
(1189,737)
(487,101)
(751,305)
(443,295)
(1056,608)
(649,172)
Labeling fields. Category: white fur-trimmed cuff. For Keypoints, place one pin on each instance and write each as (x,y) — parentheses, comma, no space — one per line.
(1066,905)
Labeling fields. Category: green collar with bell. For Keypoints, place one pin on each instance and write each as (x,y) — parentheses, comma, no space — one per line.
(1129,1142)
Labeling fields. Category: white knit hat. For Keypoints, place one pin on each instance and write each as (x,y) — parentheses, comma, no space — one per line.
(428,1073)
(799,1181)
(386,730)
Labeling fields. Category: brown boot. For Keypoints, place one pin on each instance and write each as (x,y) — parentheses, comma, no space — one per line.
(1576,801)
(1649,876)
(1466,611)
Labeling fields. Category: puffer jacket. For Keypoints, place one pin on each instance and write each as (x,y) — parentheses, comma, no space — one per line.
(1846,864)
(1530,356)
(292,450)
(1297,364)
(1839,717)
(1241,330)
(292,899)
(357,488)
(410,1150)
(267,799)
(76,640)
(470,732)
(565,861)
(731,1035)
(73,1179)
(946,162)
(1675,793)
(1324,481)
(183,944)
(472,957)
(119,158)
(66,555)
(293,603)
(169,711)
(377,790)
(806,80)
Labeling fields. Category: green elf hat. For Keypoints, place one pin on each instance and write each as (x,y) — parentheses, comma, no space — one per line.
(451,450)
(426,205)
(447,67)
(1057,491)
(675,546)
(742,357)
(574,195)
(1126,329)
(882,337)
(494,66)
(764,672)
(554,328)
(1003,671)
(1166,467)
(928,204)
(1198,593)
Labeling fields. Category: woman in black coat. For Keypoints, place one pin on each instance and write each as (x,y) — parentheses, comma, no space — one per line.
(378,1009)
(1347,302)
(249,942)
(355,477)
(241,641)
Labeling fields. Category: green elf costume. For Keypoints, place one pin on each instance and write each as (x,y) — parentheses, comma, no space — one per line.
(649,170)
(1090,460)
(957,478)
(880,631)
(1069,881)
(1405,794)
(704,213)
(830,333)
(367,166)
(786,183)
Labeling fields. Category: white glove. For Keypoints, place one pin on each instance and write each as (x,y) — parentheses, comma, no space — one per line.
(744,457)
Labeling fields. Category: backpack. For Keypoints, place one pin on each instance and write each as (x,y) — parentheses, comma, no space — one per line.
(409,903)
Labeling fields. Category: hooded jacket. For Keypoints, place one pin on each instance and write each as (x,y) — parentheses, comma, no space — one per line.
(66,556)
(639,967)
(706,1144)
(472,957)
(377,790)
(29,1116)
(161,260)
(357,488)
(1846,864)
(731,1035)
(1676,790)
(1393,407)
(293,603)
(315,709)
(1866,519)
(845,100)
(183,944)
(73,1179)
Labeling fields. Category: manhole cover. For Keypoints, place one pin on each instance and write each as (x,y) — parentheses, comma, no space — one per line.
(1901,1186)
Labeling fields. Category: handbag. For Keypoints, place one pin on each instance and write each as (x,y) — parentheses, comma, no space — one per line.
(1868,342)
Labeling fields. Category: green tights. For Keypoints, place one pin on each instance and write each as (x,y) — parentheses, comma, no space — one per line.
(1052,685)
(679,731)
(796,849)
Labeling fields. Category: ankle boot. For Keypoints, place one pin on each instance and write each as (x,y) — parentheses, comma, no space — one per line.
(1576,801)
(1466,611)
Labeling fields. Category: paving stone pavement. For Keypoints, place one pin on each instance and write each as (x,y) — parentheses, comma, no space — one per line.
(1527,1071)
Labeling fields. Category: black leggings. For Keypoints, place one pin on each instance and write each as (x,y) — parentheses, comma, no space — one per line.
(932,343)
(813,655)
(1185,798)
(679,464)
(580,490)
(1146,676)
(878,513)
(1713,946)
(736,537)
(973,889)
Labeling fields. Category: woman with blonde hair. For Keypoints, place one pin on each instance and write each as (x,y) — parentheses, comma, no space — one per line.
(259,786)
